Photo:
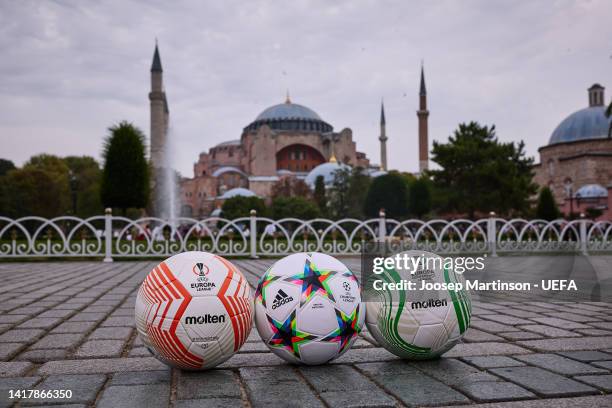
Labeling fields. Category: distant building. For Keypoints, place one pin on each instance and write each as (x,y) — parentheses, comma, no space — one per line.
(576,164)
(284,140)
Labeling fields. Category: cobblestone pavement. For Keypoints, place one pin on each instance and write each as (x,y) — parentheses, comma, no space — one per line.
(70,326)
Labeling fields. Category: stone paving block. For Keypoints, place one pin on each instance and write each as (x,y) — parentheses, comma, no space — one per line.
(491,327)
(58,341)
(100,348)
(40,323)
(474,335)
(520,335)
(127,321)
(485,362)
(111,333)
(559,323)
(603,382)
(594,332)
(14,369)
(28,310)
(548,330)
(602,325)
(365,355)
(543,382)
(266,386)
(8,318)
(56,313)
(42,355)
(148,395)
(520,312)
(142,377)
(568,344)
(74,327)
(21,335)
(410,385)
(580,318)
(84,388)
(603,364)
(453,372)
(139,352)
(559,364)
(495,391)
(209,384)
(253,360)
(16,383)
(210,403)
(9,349)
(87,317)
(508,320)
(343,386)
(484,349)
(254,348)
(106,365)
(587,356)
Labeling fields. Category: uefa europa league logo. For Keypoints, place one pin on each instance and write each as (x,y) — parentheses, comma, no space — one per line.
(200,270)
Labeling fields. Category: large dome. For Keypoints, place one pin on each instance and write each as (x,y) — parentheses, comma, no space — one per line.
(288,111)
(291,117)
(585,124)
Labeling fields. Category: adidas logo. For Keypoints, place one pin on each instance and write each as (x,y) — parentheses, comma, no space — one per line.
(280,299)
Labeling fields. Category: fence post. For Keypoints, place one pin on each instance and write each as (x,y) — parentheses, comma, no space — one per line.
(253,235)
(108,235)
(492,234)
(382,225)
(583,235)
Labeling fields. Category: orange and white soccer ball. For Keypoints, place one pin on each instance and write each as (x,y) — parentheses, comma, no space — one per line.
(194,310)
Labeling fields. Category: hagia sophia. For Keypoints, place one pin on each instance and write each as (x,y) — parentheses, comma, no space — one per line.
(292,140)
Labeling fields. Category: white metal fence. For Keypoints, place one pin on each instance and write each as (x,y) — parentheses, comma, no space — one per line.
(108,236)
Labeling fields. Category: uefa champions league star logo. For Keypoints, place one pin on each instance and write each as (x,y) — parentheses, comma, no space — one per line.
(346,286)
(200,270)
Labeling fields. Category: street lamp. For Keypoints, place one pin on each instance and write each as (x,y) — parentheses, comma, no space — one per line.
(73,191)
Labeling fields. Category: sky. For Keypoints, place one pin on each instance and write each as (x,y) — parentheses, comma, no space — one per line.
(71,69)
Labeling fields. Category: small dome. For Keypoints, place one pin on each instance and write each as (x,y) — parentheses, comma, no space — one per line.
(238,192)
(228,169)
(585,124)
(229,143)
(591,191)
(327,170)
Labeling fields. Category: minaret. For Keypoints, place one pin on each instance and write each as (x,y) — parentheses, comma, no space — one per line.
(159,111)
(383,138)
(423,114)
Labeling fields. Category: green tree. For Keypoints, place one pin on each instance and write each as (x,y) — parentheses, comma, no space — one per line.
(31,191)
(294,207)
(125,178)
(320,196)
(289,187)
(480,174)
(239,206)
(547,206)
(87,176)
(388,192)
(419,197)
(338,194)
(359,183)
(5,166)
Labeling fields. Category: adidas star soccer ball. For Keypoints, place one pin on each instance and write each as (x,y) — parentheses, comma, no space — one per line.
(308,308)
(418,324)
(194,310)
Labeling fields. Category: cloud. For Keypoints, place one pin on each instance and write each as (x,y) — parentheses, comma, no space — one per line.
(71,69)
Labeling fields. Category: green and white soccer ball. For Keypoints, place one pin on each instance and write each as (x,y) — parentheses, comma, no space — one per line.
(416,324)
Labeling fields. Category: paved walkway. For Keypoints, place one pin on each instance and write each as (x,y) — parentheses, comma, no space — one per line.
(70,326)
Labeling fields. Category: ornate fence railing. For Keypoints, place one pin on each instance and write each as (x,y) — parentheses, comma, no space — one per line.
(110,237)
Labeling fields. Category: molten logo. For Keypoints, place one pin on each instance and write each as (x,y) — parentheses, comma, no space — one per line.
(200,269)
(207,318)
